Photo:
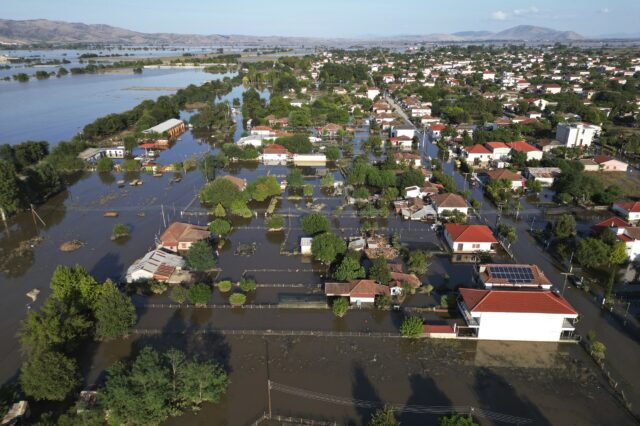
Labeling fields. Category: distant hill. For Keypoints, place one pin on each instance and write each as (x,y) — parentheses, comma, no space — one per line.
(472,33)
(58,32)
(531,33)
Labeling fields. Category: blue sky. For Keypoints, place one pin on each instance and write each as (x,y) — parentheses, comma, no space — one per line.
(335,18)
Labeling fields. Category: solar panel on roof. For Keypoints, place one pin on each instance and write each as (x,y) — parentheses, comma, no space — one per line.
(513,274)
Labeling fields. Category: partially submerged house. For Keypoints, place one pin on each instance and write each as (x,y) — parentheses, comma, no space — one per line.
(358,291)
(470,238)
(158,265)
(179,236)
(510,276)
(539,315)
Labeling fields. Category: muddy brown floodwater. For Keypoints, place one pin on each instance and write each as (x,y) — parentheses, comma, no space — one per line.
(548,384)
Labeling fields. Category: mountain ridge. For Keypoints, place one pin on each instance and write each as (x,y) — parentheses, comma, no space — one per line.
(59,32)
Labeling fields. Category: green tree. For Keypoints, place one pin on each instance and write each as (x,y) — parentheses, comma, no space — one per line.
(9,188)
(54,327)
(411,177)
(219,211)
(240,208)
(307,190)
(350,268)
(220,191)
(49,375)
(456,420)
(379,271)
(274,222)
(224,286)
(237,299)
(384,417)
(340,306)
(119,230)
(592,252)
(417,261)
(327,180)
(411,327)
(248,284)
(508,232)
(618,253)
(565,226)
(138,394)
(199,294)
(534,186)
(598,350)
(178,294)
(264,187)
(201,382)
(220,227)
(200,257)
(104,165)
(114,313)
(326,247)
(74,286)
(332,153)
(315,223)
(295,179)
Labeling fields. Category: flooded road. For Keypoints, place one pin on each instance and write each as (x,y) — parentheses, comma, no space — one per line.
(542,384)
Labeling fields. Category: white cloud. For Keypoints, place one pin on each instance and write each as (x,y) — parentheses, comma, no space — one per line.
(499,15)
(604,11)
(528,11)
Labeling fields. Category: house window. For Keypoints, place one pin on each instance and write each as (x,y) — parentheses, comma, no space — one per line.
(476,246)
(460,246)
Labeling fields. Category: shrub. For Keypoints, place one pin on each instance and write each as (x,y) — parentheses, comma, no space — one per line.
(307,190)
(120,230)
(104,165)
(275,222)
(199,294)
(237,299)
(411,327)
(247,284)
(130,165)
(157,287)
(220,227)
(340,306)
(178,294)
(315,223)
(224,286)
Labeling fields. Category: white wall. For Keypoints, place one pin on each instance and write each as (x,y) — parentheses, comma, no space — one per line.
(520,326)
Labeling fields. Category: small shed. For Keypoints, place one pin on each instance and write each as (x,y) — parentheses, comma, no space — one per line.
(305,245)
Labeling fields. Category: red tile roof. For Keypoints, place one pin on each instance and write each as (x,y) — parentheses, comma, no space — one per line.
(504,174)
(179,232)
(470,233)
(438,328)
(505,301)
(449,200)
(630,206)
(496,145)
(359,288)
(612,222)
(477,149)
(522,146)
(437,127)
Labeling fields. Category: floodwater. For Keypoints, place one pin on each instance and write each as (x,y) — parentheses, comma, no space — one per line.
(57,109)
(541,384)
(548,384)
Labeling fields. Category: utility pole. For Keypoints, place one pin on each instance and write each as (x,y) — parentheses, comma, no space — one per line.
(564,285)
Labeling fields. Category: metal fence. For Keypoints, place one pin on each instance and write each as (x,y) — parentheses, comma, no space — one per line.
(316,333)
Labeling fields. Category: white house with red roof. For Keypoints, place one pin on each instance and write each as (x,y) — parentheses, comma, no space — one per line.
(275,152)
(477,154)
(551,89)
(450,202)
(499,150)
(630,210)
(629,235)
(435,130)
(523,315)
(470,238)
(531,151)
